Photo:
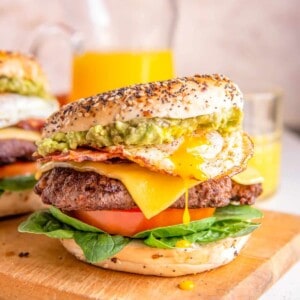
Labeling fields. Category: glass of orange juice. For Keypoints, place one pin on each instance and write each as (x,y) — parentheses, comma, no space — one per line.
(263,122)
(99,71)
(114,43)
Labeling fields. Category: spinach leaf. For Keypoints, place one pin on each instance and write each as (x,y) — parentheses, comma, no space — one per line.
(96,246)
(177,230)
(59,215)
(42,222)
(241,212)
(234,228)
(244,212)
(166,243)
(218,231)
(18,183)
(99,246)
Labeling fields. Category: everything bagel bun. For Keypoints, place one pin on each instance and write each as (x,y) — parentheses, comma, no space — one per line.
(20,202)
(138,258)
(178,98)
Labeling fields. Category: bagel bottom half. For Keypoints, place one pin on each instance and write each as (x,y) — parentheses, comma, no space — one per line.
(138,258)
(14,203)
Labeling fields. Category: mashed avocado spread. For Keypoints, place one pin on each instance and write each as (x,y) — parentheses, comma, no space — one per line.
(140,132)
(23,87)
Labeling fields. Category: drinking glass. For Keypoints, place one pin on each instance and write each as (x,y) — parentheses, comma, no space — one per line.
(115,43)
(263,122)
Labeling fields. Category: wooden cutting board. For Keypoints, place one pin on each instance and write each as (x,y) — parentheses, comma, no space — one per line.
(37,267)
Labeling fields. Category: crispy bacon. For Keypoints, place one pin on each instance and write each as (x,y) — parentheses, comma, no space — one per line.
(137,155)
(80,155)
(31,124)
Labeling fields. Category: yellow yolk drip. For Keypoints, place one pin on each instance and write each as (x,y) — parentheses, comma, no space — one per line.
(183,244)
(186,285)
(186,215)
(188,161)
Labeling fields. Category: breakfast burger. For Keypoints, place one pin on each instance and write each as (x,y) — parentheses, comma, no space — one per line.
(143,179)
(24,104)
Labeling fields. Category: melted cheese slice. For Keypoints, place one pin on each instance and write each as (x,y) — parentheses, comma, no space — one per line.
(18,133)
(248,177)
(151,191)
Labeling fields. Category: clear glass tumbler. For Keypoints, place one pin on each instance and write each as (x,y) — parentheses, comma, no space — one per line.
(263,122)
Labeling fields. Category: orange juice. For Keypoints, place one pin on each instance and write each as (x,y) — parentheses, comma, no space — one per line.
(97,72)
(266,159)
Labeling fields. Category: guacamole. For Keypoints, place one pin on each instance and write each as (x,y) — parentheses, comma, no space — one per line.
(23,87)
(140,132)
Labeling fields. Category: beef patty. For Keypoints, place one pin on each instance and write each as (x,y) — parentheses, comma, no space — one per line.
(69,189)
(14,149)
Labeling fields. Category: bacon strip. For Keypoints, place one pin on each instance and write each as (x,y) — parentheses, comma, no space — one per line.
(31,124)
(80,155)
(120,152)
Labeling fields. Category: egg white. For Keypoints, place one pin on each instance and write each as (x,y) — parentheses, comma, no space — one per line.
(15,108)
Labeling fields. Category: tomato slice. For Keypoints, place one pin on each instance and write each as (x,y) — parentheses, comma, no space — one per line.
(18,168)
(130,222)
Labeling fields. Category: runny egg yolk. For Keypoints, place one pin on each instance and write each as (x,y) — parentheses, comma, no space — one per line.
(186,285)
(187,161)
(186,215)
(183,244)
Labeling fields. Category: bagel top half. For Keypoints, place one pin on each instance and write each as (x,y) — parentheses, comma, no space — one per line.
(178,98)
(21,74)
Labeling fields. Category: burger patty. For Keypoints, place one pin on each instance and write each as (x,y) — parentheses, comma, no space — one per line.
(13,149)
(69,189)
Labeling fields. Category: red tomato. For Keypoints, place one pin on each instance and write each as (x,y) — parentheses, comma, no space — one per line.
(130,222)
(18,168)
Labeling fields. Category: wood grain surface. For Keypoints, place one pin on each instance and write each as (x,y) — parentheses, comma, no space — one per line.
(37,267)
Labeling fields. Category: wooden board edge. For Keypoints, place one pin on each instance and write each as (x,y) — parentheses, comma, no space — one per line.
(268,273)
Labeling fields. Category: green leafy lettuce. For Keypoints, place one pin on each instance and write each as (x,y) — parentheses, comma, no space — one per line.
(230,221)
(17,183)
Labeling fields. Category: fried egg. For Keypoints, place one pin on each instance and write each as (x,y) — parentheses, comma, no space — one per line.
(197,157)
(15,108)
